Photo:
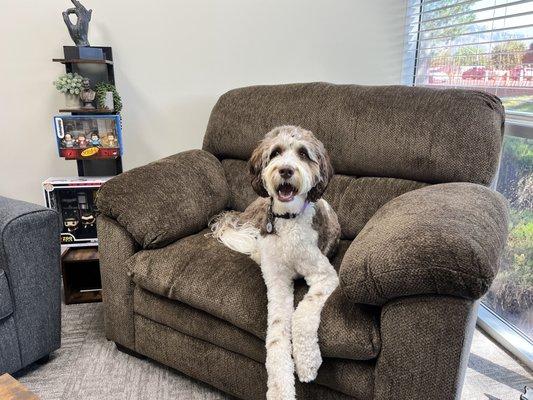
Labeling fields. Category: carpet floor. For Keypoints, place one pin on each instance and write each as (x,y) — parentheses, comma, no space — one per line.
(88,367)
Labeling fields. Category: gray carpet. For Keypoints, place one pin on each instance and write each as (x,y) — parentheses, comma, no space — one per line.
(88,367)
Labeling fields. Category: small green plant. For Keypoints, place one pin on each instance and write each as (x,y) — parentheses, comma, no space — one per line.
(101,89)
(70,83)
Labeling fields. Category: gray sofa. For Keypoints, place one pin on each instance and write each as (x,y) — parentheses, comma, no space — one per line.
(30,289)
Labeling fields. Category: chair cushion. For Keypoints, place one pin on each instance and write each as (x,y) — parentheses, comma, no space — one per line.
(202,273)
(6,303)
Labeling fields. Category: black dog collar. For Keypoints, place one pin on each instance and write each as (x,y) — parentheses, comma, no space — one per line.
(271,217)
(285,216)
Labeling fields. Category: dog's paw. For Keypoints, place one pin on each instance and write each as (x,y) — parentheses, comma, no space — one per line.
(307,365)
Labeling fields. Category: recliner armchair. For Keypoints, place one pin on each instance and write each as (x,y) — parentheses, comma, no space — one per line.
(421,241)
(30,284)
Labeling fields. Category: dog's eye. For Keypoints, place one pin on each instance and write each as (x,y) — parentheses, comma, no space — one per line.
(276,152)
(303,153)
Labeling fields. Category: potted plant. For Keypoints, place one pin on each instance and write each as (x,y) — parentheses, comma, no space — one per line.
(107,97)
(70,84)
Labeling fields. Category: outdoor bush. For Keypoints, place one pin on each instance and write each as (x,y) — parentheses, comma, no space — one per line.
(512,290)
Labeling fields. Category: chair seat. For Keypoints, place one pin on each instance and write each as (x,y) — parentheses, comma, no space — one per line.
(204,274)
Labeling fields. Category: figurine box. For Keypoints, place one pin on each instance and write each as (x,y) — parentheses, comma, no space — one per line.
(75,200)
(81,137)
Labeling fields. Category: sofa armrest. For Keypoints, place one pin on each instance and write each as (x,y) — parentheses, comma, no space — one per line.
(167,199)
(440,239)
(30,257)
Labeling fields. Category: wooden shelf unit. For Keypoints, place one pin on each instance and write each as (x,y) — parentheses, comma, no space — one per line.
(82,61)
(86,110)
(80,268)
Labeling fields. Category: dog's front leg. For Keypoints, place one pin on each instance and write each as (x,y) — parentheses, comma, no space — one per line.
(279,364)
(306,319)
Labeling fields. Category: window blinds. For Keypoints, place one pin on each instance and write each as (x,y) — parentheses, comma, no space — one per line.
(483,44)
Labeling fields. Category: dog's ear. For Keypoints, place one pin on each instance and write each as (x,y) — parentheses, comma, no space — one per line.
(326,172)
(255,165)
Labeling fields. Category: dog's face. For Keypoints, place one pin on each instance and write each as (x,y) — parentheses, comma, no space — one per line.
(290,162)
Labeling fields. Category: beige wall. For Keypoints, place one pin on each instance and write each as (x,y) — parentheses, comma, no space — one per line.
(173,59)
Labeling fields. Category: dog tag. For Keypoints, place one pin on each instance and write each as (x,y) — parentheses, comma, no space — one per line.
(269,227)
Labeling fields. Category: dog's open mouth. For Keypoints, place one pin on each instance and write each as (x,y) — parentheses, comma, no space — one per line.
(286,192)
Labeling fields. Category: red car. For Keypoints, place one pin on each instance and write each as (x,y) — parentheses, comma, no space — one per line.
(475,73)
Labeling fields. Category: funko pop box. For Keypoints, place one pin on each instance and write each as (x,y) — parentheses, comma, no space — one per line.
(81,137)
(75,200)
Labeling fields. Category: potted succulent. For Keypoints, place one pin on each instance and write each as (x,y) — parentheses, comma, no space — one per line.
(71,85)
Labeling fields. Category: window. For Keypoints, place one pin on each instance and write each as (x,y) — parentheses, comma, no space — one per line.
(484,44)
(488,45)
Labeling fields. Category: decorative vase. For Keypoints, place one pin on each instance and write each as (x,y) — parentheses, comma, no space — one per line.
(108,101)
(72,101)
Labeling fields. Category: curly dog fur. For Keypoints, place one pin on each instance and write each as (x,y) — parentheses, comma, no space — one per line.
(289,231)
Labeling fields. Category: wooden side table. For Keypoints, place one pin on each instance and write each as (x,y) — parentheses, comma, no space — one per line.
(80,268)
(11,389)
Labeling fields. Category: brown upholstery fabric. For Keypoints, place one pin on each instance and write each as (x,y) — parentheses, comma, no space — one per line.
(355,200)
(426,341)
(115,246)
(240,188)
(197,323)
(415,133)
(353,378)
(231,372)
(206,275)
(167,199)
(441,239)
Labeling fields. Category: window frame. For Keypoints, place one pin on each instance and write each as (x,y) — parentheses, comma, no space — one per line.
(517,124)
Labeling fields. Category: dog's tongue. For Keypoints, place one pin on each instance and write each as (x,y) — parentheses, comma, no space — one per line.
(286,193)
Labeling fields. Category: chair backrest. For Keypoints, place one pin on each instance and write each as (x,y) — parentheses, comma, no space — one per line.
(421,134)
(383,140)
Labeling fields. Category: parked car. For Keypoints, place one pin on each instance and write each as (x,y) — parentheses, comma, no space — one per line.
(521,72)
(475,73)
(516,73)
(528,71)
(497,74)
(438,76)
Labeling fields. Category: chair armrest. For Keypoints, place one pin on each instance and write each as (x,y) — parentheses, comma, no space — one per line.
(425,344)
(168,199)
(115,246)
(440,239)
(30,257)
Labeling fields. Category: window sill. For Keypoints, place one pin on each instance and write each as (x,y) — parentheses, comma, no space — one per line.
(519,124)
(512,339)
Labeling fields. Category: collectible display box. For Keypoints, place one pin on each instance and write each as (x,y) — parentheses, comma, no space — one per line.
(75,200)
(88,136)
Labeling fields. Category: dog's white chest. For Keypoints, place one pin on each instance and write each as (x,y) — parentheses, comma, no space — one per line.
(293,240)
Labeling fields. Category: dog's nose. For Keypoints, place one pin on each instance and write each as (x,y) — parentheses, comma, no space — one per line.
(286,172)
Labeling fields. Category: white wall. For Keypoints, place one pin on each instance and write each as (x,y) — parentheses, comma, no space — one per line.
(173,58)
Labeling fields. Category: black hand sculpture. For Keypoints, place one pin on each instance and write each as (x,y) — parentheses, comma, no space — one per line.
(78,32)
